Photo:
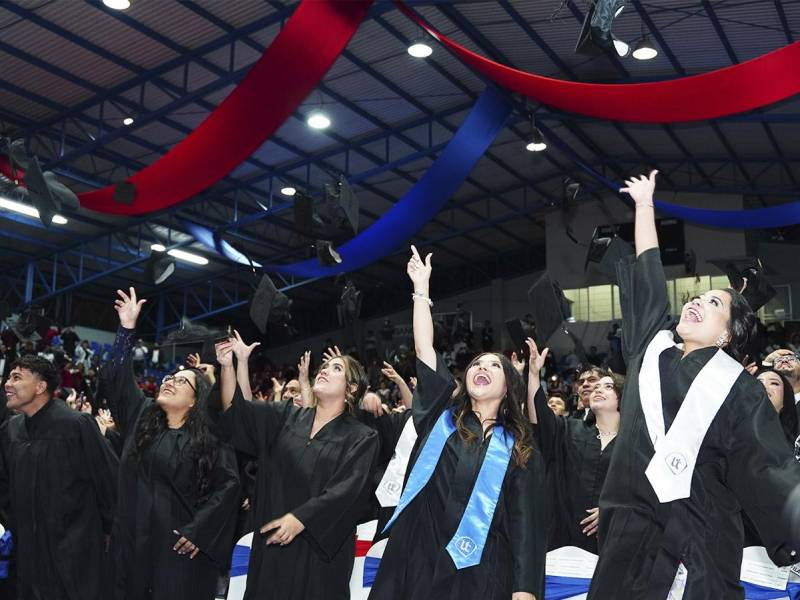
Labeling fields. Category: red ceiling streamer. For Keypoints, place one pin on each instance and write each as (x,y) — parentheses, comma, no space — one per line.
(736,89)
(283,77)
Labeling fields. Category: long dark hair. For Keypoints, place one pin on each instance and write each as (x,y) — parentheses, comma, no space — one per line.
(742,326)
(203,444)
(509,415)
(787,414)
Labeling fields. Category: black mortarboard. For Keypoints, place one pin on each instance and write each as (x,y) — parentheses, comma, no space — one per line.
(349,203)
(124,192)
(268,304)
(327,254)
(159,267)
(517,332)
(550,307)
(757,291)
(304,214)
(607,252)
(40,194)
(193,334)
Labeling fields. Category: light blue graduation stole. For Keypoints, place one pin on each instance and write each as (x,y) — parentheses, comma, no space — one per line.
(466,547)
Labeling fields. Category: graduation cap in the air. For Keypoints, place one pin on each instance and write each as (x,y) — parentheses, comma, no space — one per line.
(606,252)
(339,195)
(746,275)
(327,254)
(159,267)
(268,304)
(550,307)
(40,194)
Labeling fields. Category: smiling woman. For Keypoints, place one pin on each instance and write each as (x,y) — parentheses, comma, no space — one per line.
(697,436)
(179,486)
(470,520)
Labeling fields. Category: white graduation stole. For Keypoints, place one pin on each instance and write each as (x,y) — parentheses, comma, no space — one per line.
(670,470)
(388,492)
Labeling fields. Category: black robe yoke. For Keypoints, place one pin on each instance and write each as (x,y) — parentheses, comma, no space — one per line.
(324,481)
(416,564)
(743,463)
(576,468)
(158,498)
(57,481)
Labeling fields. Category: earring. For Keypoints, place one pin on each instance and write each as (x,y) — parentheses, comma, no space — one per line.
(722,340)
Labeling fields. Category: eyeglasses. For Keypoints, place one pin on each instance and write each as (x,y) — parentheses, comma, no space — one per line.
(178,380)
(786,358)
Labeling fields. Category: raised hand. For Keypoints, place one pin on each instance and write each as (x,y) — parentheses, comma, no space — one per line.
(207,370)
(419,271)
(303,368)
(517,363)
(641,188)
(536,361)
(193,360)
(331,353)
(224,351)
(128,308)
(260,396)
(389,372)
(240,349)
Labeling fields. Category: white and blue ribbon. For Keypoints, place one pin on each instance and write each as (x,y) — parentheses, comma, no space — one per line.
(466,546)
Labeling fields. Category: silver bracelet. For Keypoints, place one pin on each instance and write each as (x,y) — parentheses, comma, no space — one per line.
(418,296)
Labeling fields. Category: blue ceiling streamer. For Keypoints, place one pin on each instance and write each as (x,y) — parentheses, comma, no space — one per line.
(755,218)
(213,241)
(423,201)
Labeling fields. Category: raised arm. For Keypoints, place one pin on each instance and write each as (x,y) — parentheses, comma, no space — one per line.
(406,396)
(242,352)
(227,385)
(125,399)
(641,189)
(420,274)
(306,393)
(536,363)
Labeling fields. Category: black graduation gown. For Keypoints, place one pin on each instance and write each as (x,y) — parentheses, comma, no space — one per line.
(576,469)
(416,564)
(324,481)
(158,497)
(57,480)
(743,463)
(389,427)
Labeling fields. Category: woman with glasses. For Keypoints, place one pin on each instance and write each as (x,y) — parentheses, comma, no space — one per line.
(178,484)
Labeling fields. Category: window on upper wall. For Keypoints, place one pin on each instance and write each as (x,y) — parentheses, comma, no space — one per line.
(601,302)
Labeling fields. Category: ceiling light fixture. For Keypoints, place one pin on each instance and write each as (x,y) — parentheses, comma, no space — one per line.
(644,50)
(158,247)
(188,256)
(127,121)
(536,141)
(288,190)
(117,4)
(318,120)
(28,210)
(420,49)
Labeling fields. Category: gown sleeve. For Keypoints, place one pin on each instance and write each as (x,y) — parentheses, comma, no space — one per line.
(252,426)
(125,399)
(527,526)
(102,465)
(331,517)
(551,429)
(643,299)
(763,473)
(213,524)
(432,394)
